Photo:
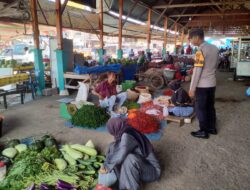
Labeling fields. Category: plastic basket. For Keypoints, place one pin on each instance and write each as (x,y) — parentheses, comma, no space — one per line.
(128,84)
(169,74)
(132,95)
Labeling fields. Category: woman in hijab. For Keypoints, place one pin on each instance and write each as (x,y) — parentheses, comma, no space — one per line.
(181,100)
(130,157)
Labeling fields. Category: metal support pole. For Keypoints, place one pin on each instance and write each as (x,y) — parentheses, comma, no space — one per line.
(149,29)
(39,67)
(119,51)
(182,37)
(175,35)
(59,51)
(165,36)
(101,50)
(59,25)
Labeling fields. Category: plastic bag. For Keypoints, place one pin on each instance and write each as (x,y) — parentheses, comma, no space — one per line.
(144,97)
(248,91)
(83,92)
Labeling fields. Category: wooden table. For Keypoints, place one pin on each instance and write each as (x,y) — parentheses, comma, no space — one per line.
(73,76)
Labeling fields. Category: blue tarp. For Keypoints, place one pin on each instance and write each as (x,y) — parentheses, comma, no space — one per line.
(97,69)
(129,71)
(152,136)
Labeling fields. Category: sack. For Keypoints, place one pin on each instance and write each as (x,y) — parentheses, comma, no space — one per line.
(83,91)
(144,97)
(248,92)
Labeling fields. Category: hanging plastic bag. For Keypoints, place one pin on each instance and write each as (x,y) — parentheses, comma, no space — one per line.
(83,92)
(248,91)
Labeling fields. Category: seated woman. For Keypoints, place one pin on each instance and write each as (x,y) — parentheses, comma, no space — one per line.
(182,104)
(130,158)
(108,96)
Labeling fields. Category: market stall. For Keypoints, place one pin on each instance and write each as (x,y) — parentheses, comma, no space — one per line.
(243,61)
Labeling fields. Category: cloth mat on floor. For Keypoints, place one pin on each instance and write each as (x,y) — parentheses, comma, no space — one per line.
(153,136)
(65,100)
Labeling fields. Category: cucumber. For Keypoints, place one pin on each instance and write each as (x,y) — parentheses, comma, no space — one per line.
(96,166)
(89,172)
(81,166)
(90,168)
(100,157)
(84,162)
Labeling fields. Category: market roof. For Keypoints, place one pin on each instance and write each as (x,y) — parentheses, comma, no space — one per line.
(216,17)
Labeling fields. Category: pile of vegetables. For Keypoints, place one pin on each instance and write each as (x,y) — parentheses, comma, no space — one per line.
(131,105)
(143,122)
(43,165)
(8,63)
(90,116)
(124,61)
(13,63)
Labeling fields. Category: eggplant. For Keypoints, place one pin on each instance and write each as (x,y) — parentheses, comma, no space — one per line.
(44,186)
(63,185)
(32,187)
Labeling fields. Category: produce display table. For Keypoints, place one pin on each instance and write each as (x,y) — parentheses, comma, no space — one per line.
(180,120)
(73,77)
(70,79)
(10,79)
(5,93)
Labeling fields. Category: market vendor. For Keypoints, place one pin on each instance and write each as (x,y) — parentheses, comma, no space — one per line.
(108,96)
(141,58)
(181,102)
(168,59)
(130,158)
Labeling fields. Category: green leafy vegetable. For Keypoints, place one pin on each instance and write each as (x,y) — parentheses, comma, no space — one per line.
(131,105)
(90,116)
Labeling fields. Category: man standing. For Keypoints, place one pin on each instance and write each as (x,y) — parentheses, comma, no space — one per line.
(203,83)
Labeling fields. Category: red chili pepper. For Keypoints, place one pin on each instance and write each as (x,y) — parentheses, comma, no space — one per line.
(144,123)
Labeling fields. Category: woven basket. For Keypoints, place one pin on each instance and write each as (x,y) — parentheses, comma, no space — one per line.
(142,89)
(132,95)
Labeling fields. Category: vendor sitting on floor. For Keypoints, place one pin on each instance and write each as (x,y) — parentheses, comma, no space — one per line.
(106,91)
(130,158)
(181,102)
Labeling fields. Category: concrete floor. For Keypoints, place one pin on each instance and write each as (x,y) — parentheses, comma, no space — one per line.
(220,163)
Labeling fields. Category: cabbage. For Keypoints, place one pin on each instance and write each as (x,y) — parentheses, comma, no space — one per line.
(21,147)
(9,152)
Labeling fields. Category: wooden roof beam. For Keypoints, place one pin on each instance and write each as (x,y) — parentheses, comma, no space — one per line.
(64,6)
(155,11)
(210,14)
(130,11)
(162,14)
(220,9)
(199,4)
(219,23)
(183,11)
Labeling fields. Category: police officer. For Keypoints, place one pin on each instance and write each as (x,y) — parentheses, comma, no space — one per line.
(203,83)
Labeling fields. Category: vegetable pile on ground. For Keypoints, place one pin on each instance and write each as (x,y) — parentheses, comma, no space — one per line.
(42,165)
(143,122)
(131,105)
(90,116)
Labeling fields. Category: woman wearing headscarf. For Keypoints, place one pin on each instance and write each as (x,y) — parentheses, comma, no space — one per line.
(130,157)
(180,99)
